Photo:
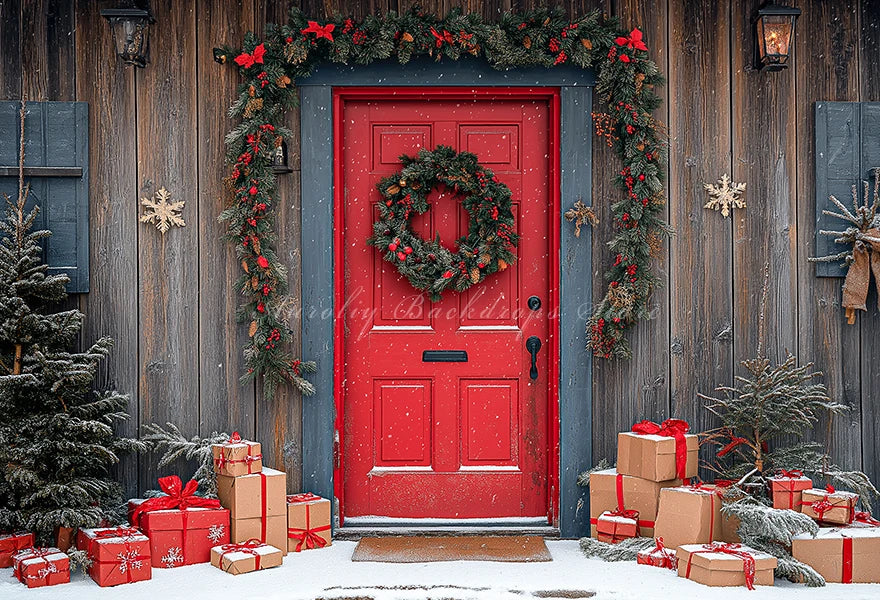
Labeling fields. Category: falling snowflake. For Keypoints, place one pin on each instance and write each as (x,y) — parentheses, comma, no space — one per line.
(725,196)
(129,561)
(162,212)
(172,556)
(215,533)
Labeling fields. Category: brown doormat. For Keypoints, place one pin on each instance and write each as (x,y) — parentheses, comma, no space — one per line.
(411,549)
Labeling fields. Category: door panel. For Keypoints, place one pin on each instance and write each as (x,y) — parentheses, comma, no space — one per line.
(445,439)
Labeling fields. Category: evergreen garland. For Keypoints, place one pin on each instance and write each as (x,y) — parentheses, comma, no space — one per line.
(427,264)
(542,37)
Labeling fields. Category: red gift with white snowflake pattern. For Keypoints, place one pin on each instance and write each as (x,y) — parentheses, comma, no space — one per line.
(39,567)
(119,555)
(185,537)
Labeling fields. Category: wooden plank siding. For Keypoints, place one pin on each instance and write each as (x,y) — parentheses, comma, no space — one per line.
(169,301)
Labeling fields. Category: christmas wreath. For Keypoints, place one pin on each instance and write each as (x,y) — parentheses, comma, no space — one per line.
(543,37)
(486,249)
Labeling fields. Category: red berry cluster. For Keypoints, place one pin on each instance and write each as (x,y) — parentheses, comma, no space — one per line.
(274,337)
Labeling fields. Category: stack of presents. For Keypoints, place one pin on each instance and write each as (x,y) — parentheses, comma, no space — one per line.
(653,492)
(251,526)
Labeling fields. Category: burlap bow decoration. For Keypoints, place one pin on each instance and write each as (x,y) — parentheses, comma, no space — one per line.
(866,258)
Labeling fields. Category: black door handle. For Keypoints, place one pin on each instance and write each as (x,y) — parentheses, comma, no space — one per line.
(533,344)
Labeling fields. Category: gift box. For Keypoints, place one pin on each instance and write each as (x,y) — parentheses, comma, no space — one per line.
(841,554)
(829,506)
(689,515)
(618,525)
(720,564)
(38,567)
(257,505)
(864,519)
(118,554)
(246,557)
(182,527)
(236,457)
(658,452)
(787,487)
(308,522)
(610,490)
(10,543)
(658,556)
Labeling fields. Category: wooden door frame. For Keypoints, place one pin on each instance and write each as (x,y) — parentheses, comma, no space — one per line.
(570,434)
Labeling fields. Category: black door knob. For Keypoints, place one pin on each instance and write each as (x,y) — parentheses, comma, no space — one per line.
(534,303)
(533,344)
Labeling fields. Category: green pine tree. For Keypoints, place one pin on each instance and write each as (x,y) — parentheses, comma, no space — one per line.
(57,443)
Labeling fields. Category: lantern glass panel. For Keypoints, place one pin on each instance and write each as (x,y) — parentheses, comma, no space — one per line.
(130,35)
(774,38)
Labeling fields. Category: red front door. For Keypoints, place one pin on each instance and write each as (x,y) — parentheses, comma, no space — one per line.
(450,440)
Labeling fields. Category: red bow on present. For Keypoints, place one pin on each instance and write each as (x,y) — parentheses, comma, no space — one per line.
(732,549)
(248,60)
(120,532)
(177,496)
(675,428)
(306,497)
(248,547)
(793,474)
(863,516)
(439,39)
(235,438)
(634,41)
(320,32)
(29,553)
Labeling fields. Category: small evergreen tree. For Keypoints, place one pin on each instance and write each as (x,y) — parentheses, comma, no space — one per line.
(57,443)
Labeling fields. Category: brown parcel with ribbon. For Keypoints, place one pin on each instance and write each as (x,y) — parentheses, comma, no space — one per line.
(689,515)
(238,561)
(236,457)
(829,506)
(652,457)
(841,555)
(308,522)
(638,494)
(255,515)
(718,569)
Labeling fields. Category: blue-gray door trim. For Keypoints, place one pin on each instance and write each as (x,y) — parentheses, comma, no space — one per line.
(575,398)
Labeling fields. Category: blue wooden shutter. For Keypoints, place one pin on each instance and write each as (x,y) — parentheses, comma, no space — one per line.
(847,147)
(57,168)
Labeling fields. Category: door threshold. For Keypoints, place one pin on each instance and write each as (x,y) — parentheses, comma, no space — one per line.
(358,527)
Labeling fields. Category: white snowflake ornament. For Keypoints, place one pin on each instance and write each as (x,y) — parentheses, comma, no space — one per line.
(725,196)
(161,211)
(129,561)
(215,533)
(172,557)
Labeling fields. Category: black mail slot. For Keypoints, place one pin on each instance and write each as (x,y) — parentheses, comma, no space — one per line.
(444,356)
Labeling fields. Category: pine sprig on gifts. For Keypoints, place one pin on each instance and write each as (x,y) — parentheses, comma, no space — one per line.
(542,37)
(175,446)
(625,550)
(57,439)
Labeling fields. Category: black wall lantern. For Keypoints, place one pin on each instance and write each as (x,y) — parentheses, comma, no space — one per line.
(775,29)
(131,28)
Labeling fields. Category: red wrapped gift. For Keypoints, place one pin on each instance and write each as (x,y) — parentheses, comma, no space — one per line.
(236,457)
(787,487)
(308,522)
(39,567)
(614,526)
(118,554)
(658,556)
(10,543)
(829,505)
(182,527)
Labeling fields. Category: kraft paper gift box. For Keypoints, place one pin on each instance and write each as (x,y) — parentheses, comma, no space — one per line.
(841,555)
(258,506)
(118,554)
(689,515)
(610,490)
(653,456)
(615,526)
(658,556)
(236,457)
(829,506)
(245,558)
(38,567)
(10,543)
(787,488)
(308,522)
(710,565)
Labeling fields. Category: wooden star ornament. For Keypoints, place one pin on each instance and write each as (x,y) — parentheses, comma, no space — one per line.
(725,195)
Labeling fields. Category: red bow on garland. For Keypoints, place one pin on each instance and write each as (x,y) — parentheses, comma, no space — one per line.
(320,32)
(634,41)
(177,496)
(248,60)
(439,39)
(675,428)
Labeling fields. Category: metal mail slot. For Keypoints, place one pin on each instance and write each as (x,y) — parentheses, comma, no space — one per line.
(444,356)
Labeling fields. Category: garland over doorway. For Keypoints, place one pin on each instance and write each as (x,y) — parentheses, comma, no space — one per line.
(544,37)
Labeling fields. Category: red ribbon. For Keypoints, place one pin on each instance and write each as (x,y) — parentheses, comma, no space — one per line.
(621,506)
(320,32)
(846,576)
(439,39)
(306,497)
(634,41)
(248,60)
(177,496)
(820,507)
(307,537)
(732,549)
(698,486)
(40,553)
(666,556)
(793,474)
(674,428)
(734,442)
(264,517)
(235,438)
(248,547)
(865,517)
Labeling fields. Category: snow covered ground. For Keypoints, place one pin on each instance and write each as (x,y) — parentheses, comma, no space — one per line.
(329,574)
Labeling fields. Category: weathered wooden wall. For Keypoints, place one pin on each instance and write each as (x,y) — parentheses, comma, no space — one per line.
(169,301)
